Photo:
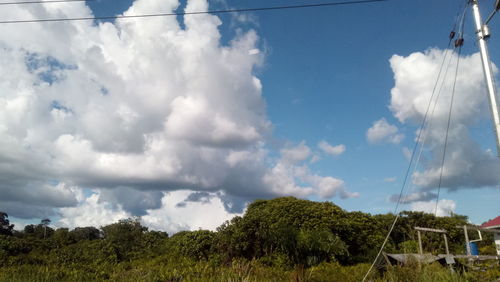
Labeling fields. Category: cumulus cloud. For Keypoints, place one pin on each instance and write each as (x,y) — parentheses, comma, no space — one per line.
(331,150)
(134,201)
(445,207)
(295,154)
(290,170)
(192,216)
(24,199)
(382,131)
(134,109)
(93,211)
(467,165)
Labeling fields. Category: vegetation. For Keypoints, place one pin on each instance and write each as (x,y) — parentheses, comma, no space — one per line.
(275,240)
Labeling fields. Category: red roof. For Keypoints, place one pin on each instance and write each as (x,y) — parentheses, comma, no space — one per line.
(491,223)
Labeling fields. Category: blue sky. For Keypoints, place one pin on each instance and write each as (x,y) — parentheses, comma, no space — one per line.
(326,75)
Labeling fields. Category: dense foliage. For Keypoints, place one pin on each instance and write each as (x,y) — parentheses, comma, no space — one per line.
(283,237)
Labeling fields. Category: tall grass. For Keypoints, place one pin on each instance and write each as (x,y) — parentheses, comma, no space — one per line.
(182,269)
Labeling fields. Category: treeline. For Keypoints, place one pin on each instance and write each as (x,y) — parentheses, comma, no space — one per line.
(283,233)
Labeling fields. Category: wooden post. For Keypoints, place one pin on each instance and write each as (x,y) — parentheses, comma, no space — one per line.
(419,243)
(446,244)
(497,242)
(467,243)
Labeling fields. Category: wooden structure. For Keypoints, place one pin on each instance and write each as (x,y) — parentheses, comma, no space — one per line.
(419,229)
(444,259)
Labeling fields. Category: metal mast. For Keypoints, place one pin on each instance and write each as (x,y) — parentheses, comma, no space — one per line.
(483,34)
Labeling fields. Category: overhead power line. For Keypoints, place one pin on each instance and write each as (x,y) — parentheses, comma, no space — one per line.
(41,2)
(421,131)
(458,44)
(358,2)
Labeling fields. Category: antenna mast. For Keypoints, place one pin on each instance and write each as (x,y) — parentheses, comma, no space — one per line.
(483,34)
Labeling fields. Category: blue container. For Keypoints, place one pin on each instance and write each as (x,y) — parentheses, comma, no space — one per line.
(473,249)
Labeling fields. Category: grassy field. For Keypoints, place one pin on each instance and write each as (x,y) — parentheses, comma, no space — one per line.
(164,269)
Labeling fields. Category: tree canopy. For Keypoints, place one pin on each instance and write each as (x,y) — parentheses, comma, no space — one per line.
(5,226)
(282,232)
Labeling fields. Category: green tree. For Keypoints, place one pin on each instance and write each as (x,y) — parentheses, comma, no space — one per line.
(279,226)
(265,219)
(231,240)
(38,231)
(5,226)
(85,233)
(125,237)
(45,223)
(153,242)
(315,246)
(194,244)
(62,237)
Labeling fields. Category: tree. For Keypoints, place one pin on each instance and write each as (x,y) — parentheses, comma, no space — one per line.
(85,233)
(194,244)
(39,231)
(315,246)
(125,236)
(45,222)
(5,226)
(154,241)
(231,239)
(29,229)
(62,237)
(265,221)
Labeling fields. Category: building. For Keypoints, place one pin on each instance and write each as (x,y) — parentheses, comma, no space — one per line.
(494,224)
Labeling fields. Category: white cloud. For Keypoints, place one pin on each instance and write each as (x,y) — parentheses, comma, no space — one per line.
(205,214)
(91,212)
(445,207)
(331,150)
(407,153)
(290,170)
(169,217)
(415,76)
(254,52)
(296,154)
(466,165)
(315,158)
(382,131)
(134,109)
(390,179)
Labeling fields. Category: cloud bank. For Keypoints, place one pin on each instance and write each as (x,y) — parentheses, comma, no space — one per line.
(467,165)
(445,207)
(134,110)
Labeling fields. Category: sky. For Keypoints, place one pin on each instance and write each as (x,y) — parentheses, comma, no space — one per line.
(182,121)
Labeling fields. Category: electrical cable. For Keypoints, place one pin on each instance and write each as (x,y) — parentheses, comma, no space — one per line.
(447,132)
(213,12)
(420,132)
(42,2)
(460,15)
(445,145)
(426,126)
(401,193)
